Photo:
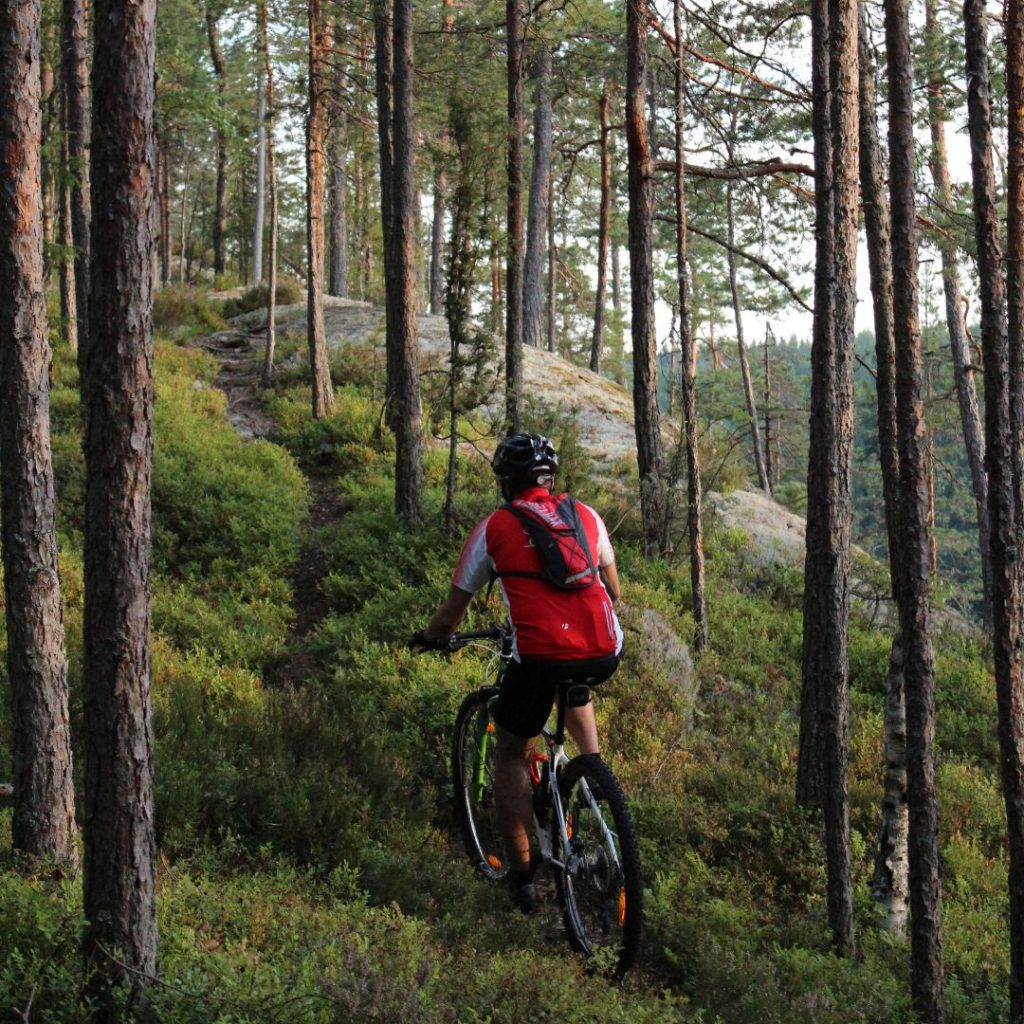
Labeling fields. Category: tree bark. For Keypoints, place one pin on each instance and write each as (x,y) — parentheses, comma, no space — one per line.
(75,75)
(912,591)
(268,70)
(401,305)
(890,883)
(44,799)
(641,264)
(338,257)
(539,212)
(1004,381)
(320,371)
(164,164)
(963,371)
(748,386)
(553,269)
(1009,673)
(68,308)
(220,209)
(694,522)
(825,592)
(437,242)
(120,903)
(829,500)
(604,223)
(261,177)
(514,220)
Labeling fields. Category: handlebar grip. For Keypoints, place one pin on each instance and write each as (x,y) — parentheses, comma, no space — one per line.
(494,633)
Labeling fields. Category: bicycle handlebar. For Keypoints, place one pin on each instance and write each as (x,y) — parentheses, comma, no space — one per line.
(459,640)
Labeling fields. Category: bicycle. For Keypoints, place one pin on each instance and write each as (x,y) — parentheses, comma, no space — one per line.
(583,827)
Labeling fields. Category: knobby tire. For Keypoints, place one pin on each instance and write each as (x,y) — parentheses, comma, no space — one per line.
(473,790)
(602,903)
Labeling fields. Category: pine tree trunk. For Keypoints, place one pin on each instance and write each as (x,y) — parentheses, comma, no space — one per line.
(604,222)
(384,53)
(912,590)
(49,125)
(402,302)
(539,212)
(1009,673)
(963,372)
(320,372)
(616,280)
(458,306)
(75,75)
(117,379)
(1004,380)
(748,386)
(694,523)
(834,679)
(261,178)
(437,243)
(552,268)
(825,597)
(268,70)
(770,456)
(890,884)
(220,217)
(338,257)
(165,211)
(641,276)
(68,309)
(44,799)
(514,221)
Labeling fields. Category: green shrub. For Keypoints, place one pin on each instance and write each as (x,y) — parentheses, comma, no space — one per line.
(287,293)
(181,312)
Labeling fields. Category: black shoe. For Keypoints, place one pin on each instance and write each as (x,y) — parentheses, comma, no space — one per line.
(524,892)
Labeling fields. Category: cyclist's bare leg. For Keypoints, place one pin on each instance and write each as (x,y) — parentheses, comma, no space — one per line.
(582,728)
(512,797)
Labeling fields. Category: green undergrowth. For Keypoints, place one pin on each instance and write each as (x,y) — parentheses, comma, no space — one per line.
(309,870)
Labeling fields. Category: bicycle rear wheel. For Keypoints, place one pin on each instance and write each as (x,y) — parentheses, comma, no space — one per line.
(599,883)
(474,748)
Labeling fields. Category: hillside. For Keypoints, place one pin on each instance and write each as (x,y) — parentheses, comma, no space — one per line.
(309,867)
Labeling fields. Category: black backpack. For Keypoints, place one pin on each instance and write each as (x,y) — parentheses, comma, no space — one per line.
(561,542)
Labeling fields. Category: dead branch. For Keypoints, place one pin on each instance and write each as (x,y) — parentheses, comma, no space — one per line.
(738,172)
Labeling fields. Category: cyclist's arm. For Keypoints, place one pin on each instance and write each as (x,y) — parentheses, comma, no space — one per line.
(448,615)
(610,578)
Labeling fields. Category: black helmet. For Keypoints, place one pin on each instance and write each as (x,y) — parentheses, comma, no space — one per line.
(524,455)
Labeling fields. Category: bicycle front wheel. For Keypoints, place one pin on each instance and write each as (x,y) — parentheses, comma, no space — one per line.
(474,749)
(599,882)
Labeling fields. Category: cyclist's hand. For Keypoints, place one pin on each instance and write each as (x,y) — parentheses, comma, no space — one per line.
(420,643)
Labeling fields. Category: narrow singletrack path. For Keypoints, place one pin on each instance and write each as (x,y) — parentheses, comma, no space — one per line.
(240,355)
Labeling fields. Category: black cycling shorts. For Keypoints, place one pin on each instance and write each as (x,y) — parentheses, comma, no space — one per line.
(529,687)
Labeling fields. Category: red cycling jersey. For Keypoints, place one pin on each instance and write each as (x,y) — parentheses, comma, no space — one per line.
(548,622)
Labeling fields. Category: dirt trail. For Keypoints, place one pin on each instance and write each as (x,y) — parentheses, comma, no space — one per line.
(239,353)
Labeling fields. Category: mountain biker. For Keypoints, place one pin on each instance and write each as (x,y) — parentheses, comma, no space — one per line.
(558,634)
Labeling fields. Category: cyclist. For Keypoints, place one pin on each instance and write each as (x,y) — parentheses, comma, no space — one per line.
(558,634)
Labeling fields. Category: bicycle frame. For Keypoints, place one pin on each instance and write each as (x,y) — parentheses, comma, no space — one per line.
(557,762)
